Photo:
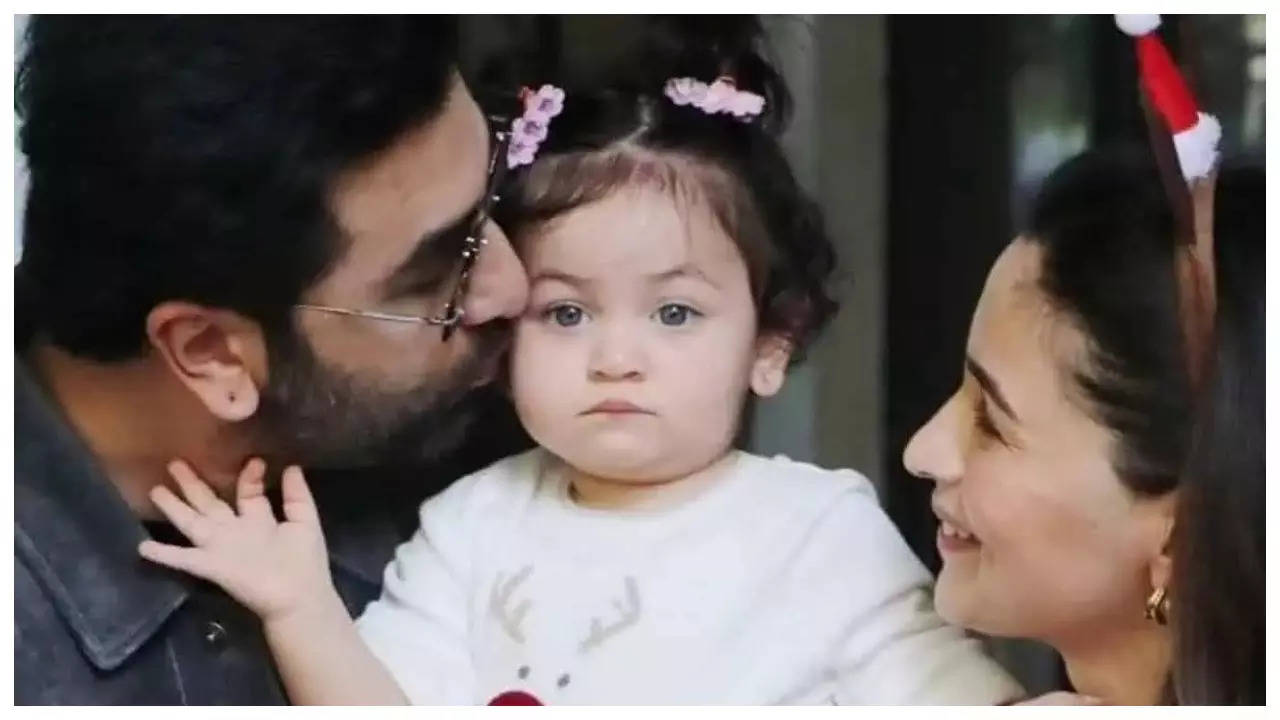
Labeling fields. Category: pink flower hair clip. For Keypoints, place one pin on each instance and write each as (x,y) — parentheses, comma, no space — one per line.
(721,96)
(530,129)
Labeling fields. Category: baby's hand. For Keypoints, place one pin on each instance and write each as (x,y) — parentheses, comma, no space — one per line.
(273,568)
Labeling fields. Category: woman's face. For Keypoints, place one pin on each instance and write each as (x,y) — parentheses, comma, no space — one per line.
(1039,538)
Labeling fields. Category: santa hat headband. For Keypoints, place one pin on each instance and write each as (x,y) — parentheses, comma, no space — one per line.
(1195,138)
(1195,134)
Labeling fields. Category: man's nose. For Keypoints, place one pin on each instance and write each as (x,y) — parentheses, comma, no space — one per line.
(498,287)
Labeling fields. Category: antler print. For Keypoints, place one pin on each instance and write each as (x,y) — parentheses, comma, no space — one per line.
(628,615)
(500,600)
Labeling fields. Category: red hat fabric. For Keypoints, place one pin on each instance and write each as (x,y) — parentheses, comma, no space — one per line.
(1195,134)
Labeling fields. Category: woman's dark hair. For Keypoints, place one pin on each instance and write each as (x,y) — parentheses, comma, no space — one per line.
(1220,561)
(192,158)
(1107,233)
(628,133)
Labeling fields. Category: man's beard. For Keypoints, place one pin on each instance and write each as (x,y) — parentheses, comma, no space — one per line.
(319,417)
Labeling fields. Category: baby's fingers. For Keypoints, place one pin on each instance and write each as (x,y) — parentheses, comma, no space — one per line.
(188,560)
(251,493)
(189,522)
(299,506)
(197,491)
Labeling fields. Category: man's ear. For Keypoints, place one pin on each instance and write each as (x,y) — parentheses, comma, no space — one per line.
(769,369)
(219,355)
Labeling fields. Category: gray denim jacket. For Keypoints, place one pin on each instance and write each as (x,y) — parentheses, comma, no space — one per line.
(96,624)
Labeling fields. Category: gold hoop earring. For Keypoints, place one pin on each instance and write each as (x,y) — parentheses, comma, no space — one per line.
(1158,606)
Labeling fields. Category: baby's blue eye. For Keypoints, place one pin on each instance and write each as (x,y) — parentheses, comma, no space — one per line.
(564,315)
(675,314)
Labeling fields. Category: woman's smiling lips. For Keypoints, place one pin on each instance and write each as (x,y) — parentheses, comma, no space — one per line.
(952,537)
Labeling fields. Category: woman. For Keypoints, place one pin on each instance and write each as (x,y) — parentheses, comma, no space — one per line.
(1088,497)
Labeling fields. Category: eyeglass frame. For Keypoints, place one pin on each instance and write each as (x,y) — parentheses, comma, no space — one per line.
(475,240)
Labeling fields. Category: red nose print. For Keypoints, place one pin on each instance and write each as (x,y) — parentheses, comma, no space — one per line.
(515,697)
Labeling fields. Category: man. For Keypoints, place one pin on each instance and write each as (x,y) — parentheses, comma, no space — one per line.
(244,237)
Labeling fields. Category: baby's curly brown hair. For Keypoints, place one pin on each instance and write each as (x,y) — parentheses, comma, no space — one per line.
(629,134)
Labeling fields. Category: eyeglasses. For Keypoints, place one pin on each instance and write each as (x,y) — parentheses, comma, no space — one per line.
(453,312)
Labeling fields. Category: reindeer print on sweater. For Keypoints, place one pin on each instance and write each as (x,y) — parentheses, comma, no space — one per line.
(546,675)
(784,583)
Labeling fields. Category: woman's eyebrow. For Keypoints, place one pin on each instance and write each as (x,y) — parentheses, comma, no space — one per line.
(989,386)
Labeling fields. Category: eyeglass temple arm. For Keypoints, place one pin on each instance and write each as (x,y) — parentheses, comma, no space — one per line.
(415,319)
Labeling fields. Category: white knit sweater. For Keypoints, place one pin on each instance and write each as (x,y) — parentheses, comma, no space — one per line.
(781,583)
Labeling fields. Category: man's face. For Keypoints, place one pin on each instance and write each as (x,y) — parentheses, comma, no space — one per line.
(354,390)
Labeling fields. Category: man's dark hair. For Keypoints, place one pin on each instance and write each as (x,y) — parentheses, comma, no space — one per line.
(192,158)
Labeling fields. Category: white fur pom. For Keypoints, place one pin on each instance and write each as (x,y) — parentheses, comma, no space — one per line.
(1137,25)
(1197,147)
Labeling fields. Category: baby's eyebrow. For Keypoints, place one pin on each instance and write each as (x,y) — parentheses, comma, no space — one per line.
(680,271)
(685,270)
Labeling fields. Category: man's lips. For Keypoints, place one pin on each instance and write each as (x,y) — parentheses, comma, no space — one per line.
(616,407)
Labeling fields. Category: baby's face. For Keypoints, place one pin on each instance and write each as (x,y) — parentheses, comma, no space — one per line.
(639,343)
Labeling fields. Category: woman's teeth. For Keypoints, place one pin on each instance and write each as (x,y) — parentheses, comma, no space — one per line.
(950,530)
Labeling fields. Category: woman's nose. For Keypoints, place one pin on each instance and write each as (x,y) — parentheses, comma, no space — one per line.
(935,452)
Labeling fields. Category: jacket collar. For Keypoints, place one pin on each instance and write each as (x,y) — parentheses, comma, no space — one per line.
(78,536)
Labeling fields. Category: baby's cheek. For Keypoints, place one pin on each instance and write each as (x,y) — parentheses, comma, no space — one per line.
(537,378)
(550,386)
(538,354)
(706,404)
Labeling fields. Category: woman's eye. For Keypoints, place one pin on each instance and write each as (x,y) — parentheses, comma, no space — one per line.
(564,315)
(675,314)
(987,426)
